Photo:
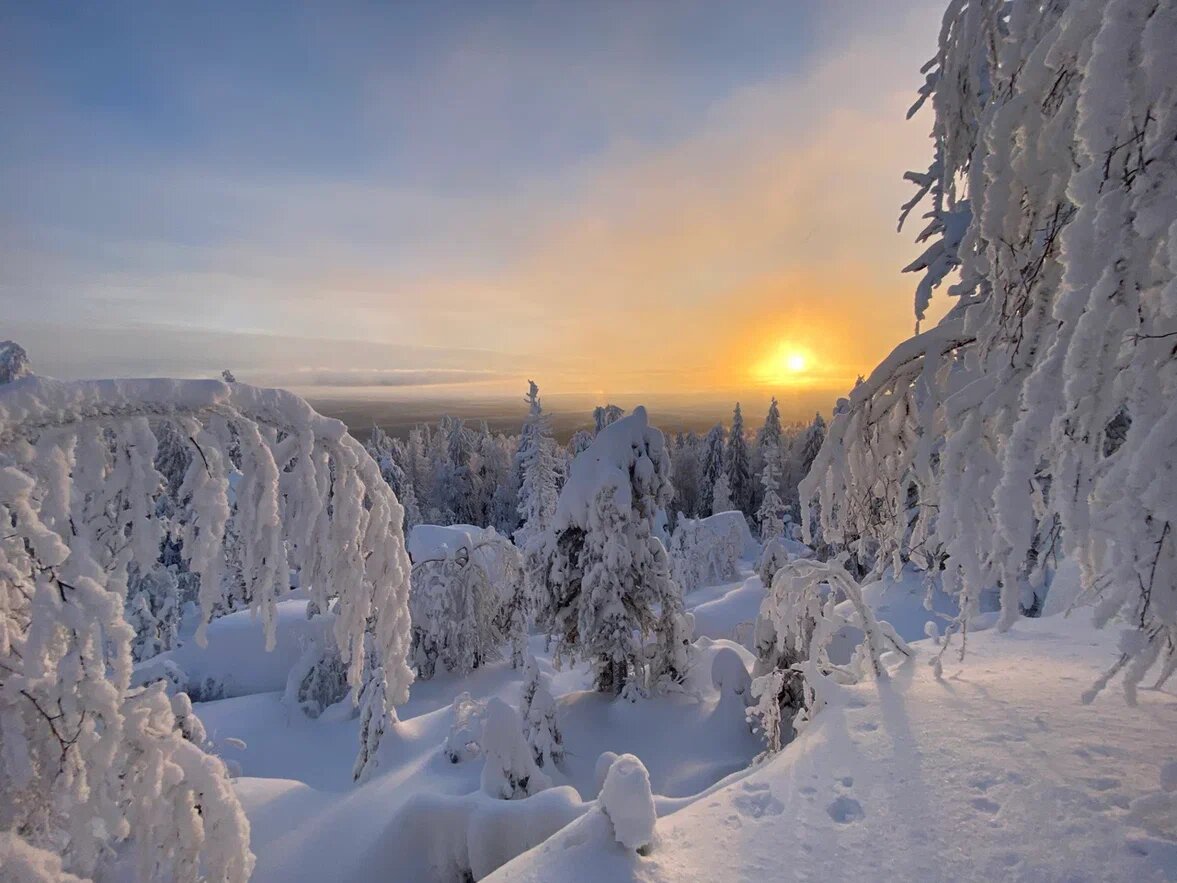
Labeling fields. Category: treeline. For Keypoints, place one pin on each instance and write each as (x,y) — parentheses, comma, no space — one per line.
(452,472)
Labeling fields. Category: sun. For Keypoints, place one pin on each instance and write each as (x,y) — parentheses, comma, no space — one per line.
(787,365)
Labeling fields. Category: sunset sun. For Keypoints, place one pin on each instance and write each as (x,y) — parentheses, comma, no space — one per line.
(787,365)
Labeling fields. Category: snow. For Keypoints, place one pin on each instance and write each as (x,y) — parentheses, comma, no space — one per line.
(605,464)
(627,800)
(236,662)
(421,816)
(997,771)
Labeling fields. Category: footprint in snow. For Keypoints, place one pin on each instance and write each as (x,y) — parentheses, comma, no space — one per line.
(757,801)
(844,810)
(984,804)
(1103,784)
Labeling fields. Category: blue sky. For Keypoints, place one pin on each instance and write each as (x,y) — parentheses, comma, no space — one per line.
(494,188)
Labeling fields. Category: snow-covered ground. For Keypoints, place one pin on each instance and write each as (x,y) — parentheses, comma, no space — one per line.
(995,772)
(296,773)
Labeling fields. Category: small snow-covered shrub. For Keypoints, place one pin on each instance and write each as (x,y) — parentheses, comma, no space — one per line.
(798,621)
(707,550)
(464,741)
(467,582)
(510,771)
(537,707)
(628,801)
(319,678)
(773,558)
(729,675)
(14,362)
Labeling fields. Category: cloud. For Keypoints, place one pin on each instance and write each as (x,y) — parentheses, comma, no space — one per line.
(390,377)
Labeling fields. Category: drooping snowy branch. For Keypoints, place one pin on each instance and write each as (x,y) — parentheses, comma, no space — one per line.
(1038,418)
(79,494)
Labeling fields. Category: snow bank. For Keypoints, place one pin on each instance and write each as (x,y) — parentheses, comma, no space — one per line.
(627,800)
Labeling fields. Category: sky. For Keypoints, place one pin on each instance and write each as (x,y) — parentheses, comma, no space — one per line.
(440,198)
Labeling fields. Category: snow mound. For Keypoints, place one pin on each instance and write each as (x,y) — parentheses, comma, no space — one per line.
(629,803)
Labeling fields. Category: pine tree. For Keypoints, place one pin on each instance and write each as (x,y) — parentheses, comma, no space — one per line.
(603,415)
(713,471)
(541,728)
(771,514)
(721,496)
(607,574)
(739,465)
(509,771)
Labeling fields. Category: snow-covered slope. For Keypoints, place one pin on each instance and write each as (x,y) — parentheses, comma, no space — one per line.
(995,772)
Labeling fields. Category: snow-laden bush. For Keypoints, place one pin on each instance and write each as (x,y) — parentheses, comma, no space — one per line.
(707,550)
(464,740)
(628,801)
(509,771)
(1040,415)
(541,726)
(729,675)
(467,586)
(88,761)
(774,556)
(318,679)
(798,622)
(14,361)
(607,574)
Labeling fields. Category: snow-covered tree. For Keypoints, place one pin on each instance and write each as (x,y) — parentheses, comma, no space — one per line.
(153,610)
(580,440)
(738,465)
(688,476)
(798,623)
(455,613)
(382,448)
(771,514)
(721,496)
(537,707)
(89,762)
(509,771)
(608,578)
(603,415)
(713,472)
(14,362)
(374,717)
(1037,417)
(769,436)
(538,469)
